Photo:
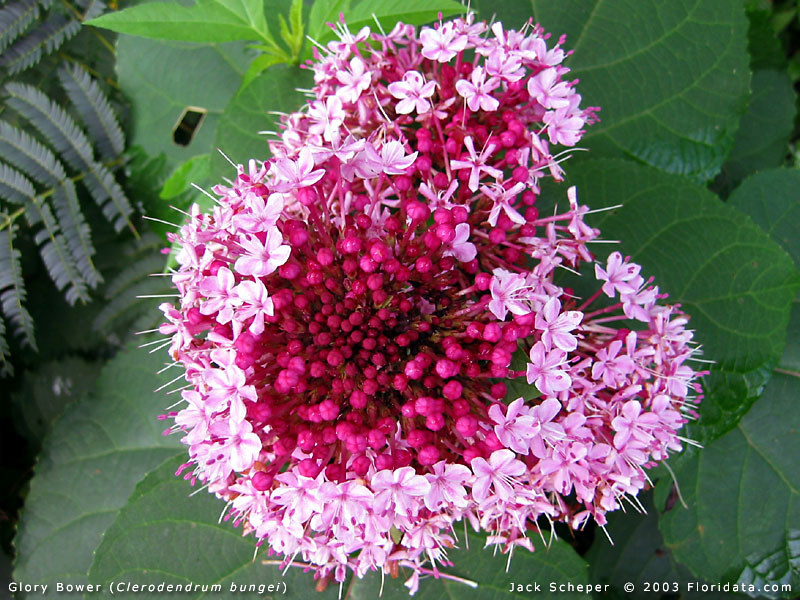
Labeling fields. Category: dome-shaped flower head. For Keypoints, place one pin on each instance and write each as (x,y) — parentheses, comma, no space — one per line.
(350,312)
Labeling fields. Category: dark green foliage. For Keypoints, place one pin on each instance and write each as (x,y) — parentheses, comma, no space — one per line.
(60,145)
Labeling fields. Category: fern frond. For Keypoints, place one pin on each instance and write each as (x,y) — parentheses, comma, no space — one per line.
(14,186)
(12,288)
(29,156)
(95,110)
(15,18)
(53,122)
(76,231)
(73,145)
(55,254)
(109,196)
(6,368)
(44,39)
(92,9)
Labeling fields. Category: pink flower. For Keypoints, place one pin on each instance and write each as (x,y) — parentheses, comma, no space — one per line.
(263,213)
(461,248)
(256,303)
(477,93)
(514,428)
(394,160)
(477,164)
(549,90)
(619,276)
(353,81)
(292,174)
(443,43)
(544,369)
(556,326)
(497,474)
(327,117)
(510,292)
(413,92)
(262,258)
(220,296)
(502,200)
(447,486)
(564,126)
(398,490)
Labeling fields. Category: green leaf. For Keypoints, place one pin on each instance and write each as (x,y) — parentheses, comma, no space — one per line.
(251,110)
(292,32)
(766,50)
(743,493)
(194,170)
(389,12)
(91,461)
(640,557)
(762,140)
(733,280)
(163,79)
(770,199)
(148,543)
(44,393)
(260,64)
(322,12)
(205,21)
(163,535)
(520,388)
(671,77)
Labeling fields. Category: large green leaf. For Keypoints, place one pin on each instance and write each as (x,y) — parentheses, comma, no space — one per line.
(762,140)
(386,12)
(743,493)
(735,282)
(671,77)
(91,461)
(162,535)
(163,79)
(251,111)
(389,12)
(770,198)
(44,393)
(640,558)
(205,21)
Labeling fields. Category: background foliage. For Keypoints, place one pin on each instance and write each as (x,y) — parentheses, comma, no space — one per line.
(697,143)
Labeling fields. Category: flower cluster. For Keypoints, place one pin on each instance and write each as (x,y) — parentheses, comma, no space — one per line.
(352,310)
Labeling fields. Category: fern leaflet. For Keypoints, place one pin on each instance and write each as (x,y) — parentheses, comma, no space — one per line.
(12,288)
(15,18)
(55,254)
(14,186)
(109,196)
(65,135)
(46,38)
(76,231)
(28,155)
(95,110)
(53,122)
